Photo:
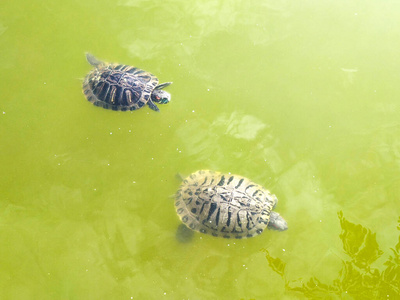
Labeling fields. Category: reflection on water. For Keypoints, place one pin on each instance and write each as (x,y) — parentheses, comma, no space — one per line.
(359,243)
(240,126)
(357,277)
(230,133)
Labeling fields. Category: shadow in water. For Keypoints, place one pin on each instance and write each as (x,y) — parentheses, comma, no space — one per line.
(356,279)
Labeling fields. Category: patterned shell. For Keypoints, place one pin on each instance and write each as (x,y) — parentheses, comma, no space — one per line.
(119,87)
(225,205)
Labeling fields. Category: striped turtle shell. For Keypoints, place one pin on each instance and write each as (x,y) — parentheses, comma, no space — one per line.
(118,87)
(225,205)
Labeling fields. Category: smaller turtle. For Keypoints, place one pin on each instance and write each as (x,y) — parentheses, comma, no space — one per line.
(123,87)
(225,205)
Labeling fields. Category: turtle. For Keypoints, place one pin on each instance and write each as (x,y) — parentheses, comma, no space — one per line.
(122,87)
(225,205)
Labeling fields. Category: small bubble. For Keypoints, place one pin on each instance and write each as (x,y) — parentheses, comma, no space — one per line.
(87,270)
(44,82)
(129,130)
(192,110)
(283,250)
(94,189)
(110,132)
(133,181)
(320,221)
(108,164)
(4,112)
(208,89)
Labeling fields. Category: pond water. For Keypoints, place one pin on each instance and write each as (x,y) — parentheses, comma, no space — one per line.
(299,96)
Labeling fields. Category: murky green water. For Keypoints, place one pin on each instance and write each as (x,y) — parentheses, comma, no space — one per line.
(300,96)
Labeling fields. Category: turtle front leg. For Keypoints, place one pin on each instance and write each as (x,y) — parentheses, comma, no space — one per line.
(153,106)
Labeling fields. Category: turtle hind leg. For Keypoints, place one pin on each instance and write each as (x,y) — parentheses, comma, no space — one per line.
(93,60)
(153,106)
(180,176)
(184,234)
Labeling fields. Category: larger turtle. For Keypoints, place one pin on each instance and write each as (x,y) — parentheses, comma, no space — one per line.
(225,205)
(122,87)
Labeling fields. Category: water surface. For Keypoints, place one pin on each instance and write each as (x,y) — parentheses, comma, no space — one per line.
(301,97)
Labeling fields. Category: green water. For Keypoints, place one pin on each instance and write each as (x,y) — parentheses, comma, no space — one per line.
(300,96)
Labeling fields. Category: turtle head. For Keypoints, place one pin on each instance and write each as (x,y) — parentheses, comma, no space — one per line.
(276,222)
(160,96)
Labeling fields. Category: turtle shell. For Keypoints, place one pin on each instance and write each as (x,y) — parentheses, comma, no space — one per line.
(225,205)
(119,87)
